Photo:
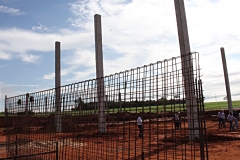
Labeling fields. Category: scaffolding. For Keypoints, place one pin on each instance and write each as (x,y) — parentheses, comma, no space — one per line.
(155,92)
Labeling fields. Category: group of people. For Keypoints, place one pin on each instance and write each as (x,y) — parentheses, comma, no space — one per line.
(177,123)
(232,117)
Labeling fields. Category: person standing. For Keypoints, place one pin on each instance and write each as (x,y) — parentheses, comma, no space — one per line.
(180,119)
(230,119)
(235,115)
(139,123)
(176,121)
(221,119)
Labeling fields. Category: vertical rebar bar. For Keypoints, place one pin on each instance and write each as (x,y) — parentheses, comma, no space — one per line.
(57,150)
(16,146)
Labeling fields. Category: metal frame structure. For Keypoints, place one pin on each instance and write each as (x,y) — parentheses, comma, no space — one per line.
(155,92)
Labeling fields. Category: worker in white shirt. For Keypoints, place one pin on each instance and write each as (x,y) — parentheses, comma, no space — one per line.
(230,119)
(221,119)
(139,123)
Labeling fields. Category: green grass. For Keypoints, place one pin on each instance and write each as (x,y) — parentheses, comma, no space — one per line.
(220,105)
(154,109)
(2,114)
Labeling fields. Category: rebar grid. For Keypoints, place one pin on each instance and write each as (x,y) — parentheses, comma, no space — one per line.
(98,117)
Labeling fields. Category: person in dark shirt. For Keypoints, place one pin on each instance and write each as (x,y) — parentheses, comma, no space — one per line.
(176,121)
(180,119)
(235,115)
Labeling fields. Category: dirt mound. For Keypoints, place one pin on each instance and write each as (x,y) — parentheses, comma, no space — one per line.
(223,138)
(2,122)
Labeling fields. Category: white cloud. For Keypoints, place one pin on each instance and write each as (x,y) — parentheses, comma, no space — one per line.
(12,11)
(4,55)
(84,75)
(40,28)
(49,76)
(29,57)
(18,40)
(81,58)
(20,85)
(64,72)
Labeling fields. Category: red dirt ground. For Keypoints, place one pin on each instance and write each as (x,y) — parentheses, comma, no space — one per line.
(2,148)
(222,144)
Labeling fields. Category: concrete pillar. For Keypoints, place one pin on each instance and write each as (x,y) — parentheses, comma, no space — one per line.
(99,74)
(229,98)
(187,69)
(57,88)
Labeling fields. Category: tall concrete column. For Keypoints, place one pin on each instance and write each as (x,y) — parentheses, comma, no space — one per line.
(57,88)
(187,69)
(229,98)
(99,74)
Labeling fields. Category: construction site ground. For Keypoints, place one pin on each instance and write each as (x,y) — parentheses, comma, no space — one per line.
(222,144)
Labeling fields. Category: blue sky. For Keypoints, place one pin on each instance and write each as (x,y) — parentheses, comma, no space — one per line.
(135,33)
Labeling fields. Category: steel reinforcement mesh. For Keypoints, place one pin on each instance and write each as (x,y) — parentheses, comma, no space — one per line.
(97,119)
